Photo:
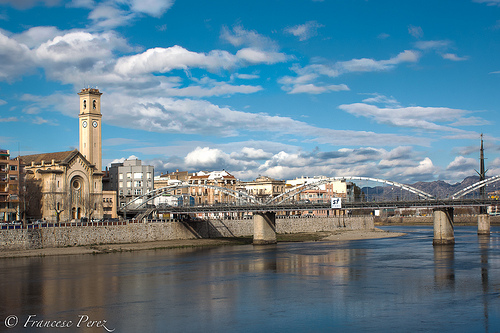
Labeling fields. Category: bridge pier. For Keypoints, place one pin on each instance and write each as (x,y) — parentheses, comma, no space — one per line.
(443,226)
(264,228)
(483,224)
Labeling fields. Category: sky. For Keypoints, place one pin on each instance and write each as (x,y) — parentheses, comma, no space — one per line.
(390,89)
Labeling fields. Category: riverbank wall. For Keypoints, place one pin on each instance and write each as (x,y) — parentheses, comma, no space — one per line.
(429,220)
(52,237)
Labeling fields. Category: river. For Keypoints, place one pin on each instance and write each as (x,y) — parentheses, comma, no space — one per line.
(401,284)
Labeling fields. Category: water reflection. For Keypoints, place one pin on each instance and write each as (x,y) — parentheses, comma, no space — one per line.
(444,266)
(372,285)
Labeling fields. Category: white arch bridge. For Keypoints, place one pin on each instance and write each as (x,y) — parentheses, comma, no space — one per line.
(285,201)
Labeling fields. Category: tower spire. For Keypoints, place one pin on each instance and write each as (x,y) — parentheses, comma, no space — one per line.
(482,174)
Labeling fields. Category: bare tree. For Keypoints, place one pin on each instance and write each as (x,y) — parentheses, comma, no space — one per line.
(30,194)
(54,198)
(91,204)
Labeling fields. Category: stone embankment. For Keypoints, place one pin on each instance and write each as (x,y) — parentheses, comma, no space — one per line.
(70,236)
(429,220)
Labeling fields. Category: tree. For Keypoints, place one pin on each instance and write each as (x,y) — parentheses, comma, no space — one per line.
(91,204)
(54,198)
(30,193)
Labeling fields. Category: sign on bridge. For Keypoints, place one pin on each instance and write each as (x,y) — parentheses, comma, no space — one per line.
(336,203)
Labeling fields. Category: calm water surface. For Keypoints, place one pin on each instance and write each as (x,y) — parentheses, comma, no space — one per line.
(384,285)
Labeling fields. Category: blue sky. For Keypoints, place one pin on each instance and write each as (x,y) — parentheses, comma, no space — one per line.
(398,90)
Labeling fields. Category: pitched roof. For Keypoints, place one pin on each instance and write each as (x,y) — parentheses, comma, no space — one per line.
(58,157)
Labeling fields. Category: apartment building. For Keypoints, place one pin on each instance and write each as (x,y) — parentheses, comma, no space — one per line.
(210,196)
(9,187)
(176,197)
(130,180)
(264,188)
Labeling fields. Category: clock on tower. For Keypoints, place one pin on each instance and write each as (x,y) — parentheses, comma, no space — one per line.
(90,131)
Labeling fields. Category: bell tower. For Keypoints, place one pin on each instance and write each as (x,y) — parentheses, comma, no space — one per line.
(90,126)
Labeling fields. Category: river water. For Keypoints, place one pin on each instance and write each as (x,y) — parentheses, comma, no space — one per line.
(399,284)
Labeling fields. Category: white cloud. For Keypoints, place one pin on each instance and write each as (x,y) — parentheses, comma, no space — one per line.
(371,65)
(187,116)
(73,48)
(241,37)
(247,76)
(162,60)
(154,8)
(16,58)
(36,36)
(426,118)
(453,57)
(205,157)
(416,32)
(25,4)
(425,169)
(110,14)
(305,31)
(433,44)
(489,2)
(256,56)
(306,81)
(381,99)
(313,89)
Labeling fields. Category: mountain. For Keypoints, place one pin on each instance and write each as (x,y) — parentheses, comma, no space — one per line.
(438,188)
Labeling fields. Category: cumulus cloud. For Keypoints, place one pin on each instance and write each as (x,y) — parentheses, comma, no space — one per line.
(110,14)
(304,31)
(36,36)
(239,36)
(453,57)
(163,60)
(17,58)
(416,32)
(201,158)
(308,79)
(433,44)
(73,48)
(65,57)
(425,118)
(25,4)
(489,2)
(401,164)
(371,65)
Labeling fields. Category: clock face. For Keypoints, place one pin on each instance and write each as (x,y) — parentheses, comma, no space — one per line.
(94,123)
(84,124)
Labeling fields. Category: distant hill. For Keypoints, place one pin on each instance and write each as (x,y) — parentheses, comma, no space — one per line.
(439,189)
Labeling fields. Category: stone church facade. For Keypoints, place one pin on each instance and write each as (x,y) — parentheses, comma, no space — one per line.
(71,181)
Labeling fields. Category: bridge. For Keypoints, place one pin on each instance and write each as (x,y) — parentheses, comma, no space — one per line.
(264,210)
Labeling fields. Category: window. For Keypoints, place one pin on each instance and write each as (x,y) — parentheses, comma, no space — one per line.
(148,175)
(129,174)
(129,184)
(138,183)
(120,176)
(120,184)
(138,191)
(12,177)
(137,175)
(13,167)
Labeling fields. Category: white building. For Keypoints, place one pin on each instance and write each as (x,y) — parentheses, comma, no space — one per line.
(130,180)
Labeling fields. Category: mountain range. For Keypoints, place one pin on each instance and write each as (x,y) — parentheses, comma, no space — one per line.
(438,189)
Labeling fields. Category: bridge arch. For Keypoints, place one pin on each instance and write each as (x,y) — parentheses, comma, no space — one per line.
(160,191)
(475,186)
(298,189)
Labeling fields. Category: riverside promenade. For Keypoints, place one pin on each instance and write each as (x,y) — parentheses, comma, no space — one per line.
(90,235)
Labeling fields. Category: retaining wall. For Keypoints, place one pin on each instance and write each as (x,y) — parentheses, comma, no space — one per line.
(48,237)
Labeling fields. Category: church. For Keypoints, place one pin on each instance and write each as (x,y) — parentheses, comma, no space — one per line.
(70,182)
